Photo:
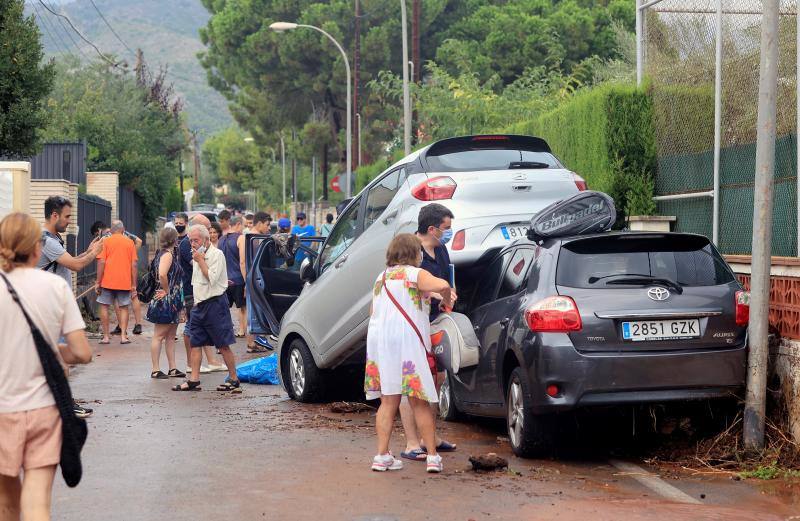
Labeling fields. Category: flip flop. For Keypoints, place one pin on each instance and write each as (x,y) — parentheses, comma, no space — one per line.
(124,342)
(445,446)
(415,455)
(104,342)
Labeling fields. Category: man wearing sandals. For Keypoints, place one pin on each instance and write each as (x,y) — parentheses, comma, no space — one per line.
(211,322)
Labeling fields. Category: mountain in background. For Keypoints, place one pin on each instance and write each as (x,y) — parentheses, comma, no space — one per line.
(167,33)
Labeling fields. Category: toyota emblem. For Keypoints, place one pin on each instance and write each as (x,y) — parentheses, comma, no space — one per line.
(658,294)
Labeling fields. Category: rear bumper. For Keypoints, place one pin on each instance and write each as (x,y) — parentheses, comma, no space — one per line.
(626,378)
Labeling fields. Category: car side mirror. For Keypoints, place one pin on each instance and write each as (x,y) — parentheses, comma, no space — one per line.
(307,271)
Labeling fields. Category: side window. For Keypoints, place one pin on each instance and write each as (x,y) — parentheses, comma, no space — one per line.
(487,287)
(381,195)
(342,236)
(514,278)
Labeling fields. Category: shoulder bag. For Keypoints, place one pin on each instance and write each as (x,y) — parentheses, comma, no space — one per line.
(428,355)
(73,429)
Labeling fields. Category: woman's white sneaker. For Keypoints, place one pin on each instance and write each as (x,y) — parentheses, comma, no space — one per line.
(435,464)
(386,462)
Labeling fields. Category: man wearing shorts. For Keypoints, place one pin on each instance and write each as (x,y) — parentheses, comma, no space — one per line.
(211,322)
(116,279)
(185,257)
(232,246)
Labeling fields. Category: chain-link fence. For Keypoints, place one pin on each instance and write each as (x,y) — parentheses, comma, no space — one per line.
(679,58)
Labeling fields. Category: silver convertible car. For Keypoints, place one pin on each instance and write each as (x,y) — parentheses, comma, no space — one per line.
(493,184)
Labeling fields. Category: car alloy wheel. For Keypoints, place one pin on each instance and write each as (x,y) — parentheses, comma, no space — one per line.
(516,414)
(297,372)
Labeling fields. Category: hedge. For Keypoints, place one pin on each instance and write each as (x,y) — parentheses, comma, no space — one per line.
(605,134)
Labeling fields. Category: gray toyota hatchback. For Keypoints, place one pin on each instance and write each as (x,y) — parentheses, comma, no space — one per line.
(600,319)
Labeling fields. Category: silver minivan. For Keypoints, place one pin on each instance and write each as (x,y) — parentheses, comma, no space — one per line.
(493,184)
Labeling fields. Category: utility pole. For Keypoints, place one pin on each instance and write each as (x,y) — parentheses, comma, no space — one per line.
(314,188)
(415,40)
(356,66)
(196,165)
(183,197)
(416,60)
(758,332)
(294,169)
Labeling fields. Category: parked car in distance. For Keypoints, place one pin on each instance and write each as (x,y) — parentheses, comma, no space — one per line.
(493,184)
(595,320)
(212,216)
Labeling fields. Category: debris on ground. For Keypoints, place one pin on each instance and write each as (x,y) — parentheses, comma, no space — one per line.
(349,407)
(490,461)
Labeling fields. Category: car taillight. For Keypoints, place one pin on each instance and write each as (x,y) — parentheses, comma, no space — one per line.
(742,308)
(554,315)
(459,240)
(579,182)
(435,189)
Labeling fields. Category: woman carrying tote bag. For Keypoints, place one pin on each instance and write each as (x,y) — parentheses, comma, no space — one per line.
(38,429)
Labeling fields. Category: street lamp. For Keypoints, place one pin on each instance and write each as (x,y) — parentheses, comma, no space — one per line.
(406,95)
(280,27)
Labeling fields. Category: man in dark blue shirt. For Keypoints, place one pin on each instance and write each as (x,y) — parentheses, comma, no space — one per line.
(434,231)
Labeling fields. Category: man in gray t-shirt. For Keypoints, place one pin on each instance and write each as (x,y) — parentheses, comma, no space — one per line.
(55,258)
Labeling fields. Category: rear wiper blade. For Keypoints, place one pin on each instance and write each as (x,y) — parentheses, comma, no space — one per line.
(527,164)
(648,280)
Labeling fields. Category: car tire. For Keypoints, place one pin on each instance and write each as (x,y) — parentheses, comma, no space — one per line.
(529,434)
(305,381)
(447,404)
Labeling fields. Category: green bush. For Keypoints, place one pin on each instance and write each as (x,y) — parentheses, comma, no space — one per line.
(605,134)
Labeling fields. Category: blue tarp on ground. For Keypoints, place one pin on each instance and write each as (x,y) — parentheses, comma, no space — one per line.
(259,370)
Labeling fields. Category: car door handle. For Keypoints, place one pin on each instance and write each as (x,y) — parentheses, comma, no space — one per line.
(504,322)
(390,217)
(341,261)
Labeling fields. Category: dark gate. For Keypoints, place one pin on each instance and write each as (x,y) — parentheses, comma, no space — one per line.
(90,209)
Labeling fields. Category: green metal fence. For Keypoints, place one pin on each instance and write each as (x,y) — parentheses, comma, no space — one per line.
(693,173)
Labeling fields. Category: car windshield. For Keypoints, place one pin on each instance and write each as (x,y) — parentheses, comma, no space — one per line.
(608,262)
(489,159)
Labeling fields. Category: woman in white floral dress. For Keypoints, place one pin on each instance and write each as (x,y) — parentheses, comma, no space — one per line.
(397,364)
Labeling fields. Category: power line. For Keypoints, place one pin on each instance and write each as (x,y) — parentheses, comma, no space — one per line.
(44,22)
(61,16)
(69,35)
(111,28)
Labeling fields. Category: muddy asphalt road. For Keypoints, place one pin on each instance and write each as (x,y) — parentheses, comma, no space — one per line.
(157,454)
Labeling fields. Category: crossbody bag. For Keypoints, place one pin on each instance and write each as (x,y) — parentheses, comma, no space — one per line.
(431,359)
(73,429)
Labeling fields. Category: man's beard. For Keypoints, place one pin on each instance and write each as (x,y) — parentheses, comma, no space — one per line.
(61,229)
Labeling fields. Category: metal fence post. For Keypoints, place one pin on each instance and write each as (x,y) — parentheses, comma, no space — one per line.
(762,231)
(717,123)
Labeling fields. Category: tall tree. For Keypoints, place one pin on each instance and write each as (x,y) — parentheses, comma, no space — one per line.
(24,81)
(128,122)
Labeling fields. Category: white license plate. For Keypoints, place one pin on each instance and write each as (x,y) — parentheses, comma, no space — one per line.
(512,233)
(640,331)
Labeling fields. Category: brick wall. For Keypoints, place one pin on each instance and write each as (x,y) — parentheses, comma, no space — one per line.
(105,185)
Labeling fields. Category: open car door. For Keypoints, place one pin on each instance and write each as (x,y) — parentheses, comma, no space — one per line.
(272,285)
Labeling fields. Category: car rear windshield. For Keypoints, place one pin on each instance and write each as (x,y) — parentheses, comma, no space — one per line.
(490,159)
(685,259)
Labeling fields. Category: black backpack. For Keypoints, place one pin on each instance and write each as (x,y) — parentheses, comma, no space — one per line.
(148,284)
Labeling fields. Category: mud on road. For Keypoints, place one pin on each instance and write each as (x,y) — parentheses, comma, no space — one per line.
(156,454)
